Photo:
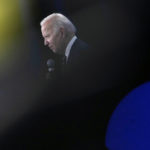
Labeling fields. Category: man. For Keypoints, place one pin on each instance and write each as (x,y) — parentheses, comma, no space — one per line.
(74,116)
(59,35)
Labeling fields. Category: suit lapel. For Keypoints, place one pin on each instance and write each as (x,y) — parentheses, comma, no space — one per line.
(73,52)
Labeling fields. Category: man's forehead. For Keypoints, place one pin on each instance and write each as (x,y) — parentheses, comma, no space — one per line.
(47,25)
(43,28)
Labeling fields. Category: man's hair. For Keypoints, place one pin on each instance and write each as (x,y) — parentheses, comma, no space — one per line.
(59,20)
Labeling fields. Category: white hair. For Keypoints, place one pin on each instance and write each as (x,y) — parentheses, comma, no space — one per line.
(59,20)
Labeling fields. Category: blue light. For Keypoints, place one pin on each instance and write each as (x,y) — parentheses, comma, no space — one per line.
(129,126)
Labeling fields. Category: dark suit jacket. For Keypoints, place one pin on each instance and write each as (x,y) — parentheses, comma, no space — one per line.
(77,72)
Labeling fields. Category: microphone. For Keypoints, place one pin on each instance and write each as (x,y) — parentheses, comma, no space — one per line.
(51,65)
(51,68)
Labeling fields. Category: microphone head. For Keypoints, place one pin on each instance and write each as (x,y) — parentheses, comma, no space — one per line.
(50,64)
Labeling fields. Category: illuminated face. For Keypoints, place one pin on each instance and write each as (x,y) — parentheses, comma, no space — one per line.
(52,38)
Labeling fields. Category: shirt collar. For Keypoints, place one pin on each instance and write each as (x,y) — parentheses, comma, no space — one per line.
(68,48)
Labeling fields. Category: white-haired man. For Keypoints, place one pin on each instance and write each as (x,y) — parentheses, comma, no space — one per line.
(59,35)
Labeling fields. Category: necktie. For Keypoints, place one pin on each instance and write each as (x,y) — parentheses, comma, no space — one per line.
(63,65)
(64,59)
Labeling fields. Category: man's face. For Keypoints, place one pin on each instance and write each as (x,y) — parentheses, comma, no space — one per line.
(52,38)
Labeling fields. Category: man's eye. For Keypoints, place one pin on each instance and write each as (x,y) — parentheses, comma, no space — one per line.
(47,36)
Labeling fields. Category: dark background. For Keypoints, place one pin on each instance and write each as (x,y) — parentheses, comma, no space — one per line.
(118,30)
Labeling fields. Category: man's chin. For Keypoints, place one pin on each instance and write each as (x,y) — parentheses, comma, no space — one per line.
(54,51)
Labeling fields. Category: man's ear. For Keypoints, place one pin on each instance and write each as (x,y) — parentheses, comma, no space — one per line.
(62,31)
